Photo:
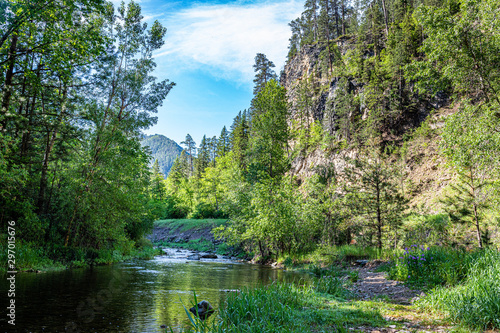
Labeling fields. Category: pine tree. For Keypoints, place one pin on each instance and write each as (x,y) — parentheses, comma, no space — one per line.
(203,158)
(468,202)
(269,133)
(157,184)
(191,150)
(310,18)
(371,190)
(263,68)
(180,170)
(223,143)
(213,150)
(239,139)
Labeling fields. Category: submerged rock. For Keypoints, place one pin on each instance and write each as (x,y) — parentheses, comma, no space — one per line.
(203,310)
(194,257)
(209,256)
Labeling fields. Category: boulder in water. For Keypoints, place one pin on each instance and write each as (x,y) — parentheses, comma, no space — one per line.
(203,310)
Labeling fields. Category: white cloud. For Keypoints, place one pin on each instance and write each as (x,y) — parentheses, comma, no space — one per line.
(224,39)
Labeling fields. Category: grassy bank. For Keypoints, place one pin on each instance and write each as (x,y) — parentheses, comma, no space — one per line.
(201,231)
(184,225)
(32,258)
(325,304)
(463,295)
(325,255)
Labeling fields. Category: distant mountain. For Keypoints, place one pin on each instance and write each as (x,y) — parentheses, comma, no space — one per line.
(163,149)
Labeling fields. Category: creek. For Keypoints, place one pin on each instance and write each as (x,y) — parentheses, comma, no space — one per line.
(134,296)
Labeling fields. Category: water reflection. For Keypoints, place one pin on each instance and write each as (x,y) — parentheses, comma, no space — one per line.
(136,296)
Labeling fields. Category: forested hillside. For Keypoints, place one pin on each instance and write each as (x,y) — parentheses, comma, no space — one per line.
(162,149)
(383,130)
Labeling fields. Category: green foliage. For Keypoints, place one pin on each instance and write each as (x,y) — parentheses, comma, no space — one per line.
(470,145)
(332,286)
(475,303)
(283,307)
(269,133)
(426,229)
(461,48)
(74,176)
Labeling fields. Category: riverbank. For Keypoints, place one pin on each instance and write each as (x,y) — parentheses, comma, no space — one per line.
(419,290)
(335,301)
(35,259)
(194,235)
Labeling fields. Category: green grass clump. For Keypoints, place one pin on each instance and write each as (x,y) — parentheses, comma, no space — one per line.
(265,309)
(331,285)
(476,302)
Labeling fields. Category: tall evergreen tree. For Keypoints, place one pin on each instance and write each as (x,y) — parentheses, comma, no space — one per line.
(213,150)
(157,184)
(203,158)
(310,18)
(190,148)
(239,139)
(269,133)
(372,191)
(223,143)
(263,68)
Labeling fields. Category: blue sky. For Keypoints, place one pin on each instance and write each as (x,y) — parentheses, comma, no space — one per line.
(209,52)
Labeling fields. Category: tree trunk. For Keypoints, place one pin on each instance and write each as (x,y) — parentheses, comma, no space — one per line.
(328,40)
(343,16)
(385,18)
(7,88)
(46,157)
(476,214)
(379,219)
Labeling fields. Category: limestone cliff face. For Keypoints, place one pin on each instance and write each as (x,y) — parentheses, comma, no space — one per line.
(425,168)
(306,65)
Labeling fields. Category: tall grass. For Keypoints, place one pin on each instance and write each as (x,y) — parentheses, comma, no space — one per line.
(332,254)
(431,267)
(475,303)
(288,308)
(265,309)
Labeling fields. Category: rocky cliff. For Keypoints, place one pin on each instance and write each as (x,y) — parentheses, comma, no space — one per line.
(426,174)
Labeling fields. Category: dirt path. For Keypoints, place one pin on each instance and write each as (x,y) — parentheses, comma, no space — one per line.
(397,300)
(373,285)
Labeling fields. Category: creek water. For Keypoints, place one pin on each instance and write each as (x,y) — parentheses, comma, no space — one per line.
(134,296)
